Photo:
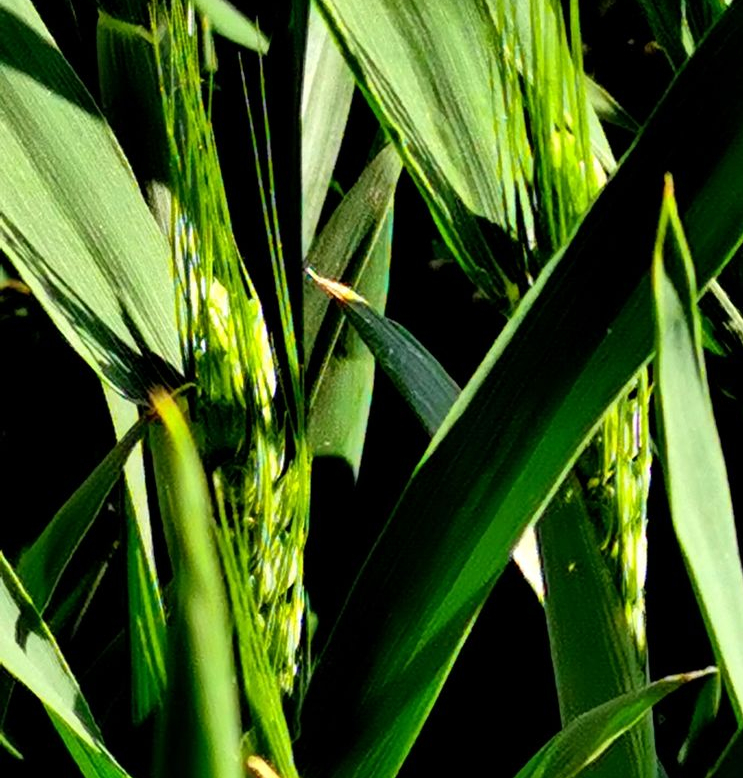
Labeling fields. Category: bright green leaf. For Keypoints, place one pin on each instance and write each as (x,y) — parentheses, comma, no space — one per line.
(230,23)
(200,735)
(72,219)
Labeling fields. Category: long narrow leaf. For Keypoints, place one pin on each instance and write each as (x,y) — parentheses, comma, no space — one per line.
(423,383)
(201,719)
(420,379)
(594,656)
(589,735)
(729,764)
(699,495)
(341,400)
(30,654)
(146,612)
(513,435)
(42,564)
(327,90)
(350,232)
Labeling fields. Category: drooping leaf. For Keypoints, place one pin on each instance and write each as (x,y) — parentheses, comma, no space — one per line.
(445,79)
(72,219)
(418,376)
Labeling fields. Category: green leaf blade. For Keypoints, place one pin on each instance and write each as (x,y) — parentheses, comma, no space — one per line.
(72,219)
(232,24)
(701,505)
(201,728)
(327,89)
(589,735)
(30,654)
(513,435)
(42,564)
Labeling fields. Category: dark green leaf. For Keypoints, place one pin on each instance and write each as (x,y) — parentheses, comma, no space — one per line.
(350,233)
(341,400)
(593,654)
(418,376)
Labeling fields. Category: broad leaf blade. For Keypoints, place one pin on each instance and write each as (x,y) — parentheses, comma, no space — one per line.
(593,654)
(29,652)
(423,383)
(519,425)
(72,219)
(699,495)
(443,77)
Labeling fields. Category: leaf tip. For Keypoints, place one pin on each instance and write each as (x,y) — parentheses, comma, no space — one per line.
(340,292)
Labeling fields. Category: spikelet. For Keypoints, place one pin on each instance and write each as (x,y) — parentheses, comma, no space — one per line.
(616,474)
(567,176)
(260,495)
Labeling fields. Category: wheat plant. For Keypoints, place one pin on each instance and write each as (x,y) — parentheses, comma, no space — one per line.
(174,199)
